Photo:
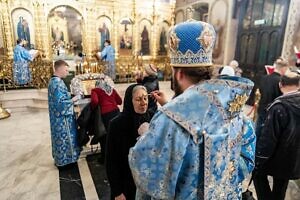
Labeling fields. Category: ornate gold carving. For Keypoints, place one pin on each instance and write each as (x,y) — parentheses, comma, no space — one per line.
(174,41)
(90,11)
(41,71)
(237,103)
(3,113)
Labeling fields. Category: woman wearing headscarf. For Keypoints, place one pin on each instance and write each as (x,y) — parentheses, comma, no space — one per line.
(123,134)
(108,99)
(149,79)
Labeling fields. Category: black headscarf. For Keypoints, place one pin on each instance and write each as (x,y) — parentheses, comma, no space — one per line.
(128,110)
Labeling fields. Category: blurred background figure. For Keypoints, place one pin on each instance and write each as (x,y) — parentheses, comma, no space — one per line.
(22,57)
(226,71)
(108,55)
(235,65)
(278,147)
(122,135)
(108,99)
(269,90)
(149,79)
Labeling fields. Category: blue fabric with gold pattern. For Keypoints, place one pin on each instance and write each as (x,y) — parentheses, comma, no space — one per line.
(21,70)
(199,145)
(191,44)
(65,149)
(197,150)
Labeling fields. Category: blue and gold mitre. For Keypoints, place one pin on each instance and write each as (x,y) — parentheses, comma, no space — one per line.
(191,44)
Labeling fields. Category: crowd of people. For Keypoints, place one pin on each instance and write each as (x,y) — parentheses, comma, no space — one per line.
(199,144)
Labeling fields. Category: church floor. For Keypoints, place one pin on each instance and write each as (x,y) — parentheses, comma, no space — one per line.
(27,171)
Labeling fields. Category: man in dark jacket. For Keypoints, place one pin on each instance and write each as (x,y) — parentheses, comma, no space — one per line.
(269,90)
(278,148)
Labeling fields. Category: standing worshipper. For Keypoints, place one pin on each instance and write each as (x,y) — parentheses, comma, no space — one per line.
(269,90)
(199,145)
(65,149)
(123,134)
(108,99)
(21,72)
(278,147)
(108,55)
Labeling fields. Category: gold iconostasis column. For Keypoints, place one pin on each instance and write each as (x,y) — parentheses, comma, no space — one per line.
(41,20)
(89,35)
(7,31)
(154,30)
(136,35)
(173,4)
(38,27)
(115,27)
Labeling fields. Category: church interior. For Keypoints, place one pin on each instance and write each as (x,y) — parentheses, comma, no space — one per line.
(252,32)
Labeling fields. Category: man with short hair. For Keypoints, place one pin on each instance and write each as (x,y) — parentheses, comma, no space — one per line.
(65,149)
(278,148)
(199,145)
(269,90)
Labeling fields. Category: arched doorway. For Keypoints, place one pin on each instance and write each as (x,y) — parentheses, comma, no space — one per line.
(260,36)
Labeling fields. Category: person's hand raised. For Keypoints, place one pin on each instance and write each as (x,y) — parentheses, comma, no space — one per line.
(160,97)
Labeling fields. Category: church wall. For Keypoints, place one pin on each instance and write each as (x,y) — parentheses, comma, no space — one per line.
(223,9)
(93,15)
(219,15)
(292,32)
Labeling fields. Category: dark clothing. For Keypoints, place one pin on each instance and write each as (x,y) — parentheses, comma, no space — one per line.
(269,90)
(278,148)
(109,110)
(263,190)
(121,137)
(108,103)
(90,123)
(106,118)
(151,83)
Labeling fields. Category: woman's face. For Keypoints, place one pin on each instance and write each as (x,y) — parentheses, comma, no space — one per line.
(140,101)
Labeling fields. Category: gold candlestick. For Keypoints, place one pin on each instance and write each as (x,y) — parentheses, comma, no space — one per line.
(3,113)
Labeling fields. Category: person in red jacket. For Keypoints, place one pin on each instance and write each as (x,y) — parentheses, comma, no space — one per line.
(108,99)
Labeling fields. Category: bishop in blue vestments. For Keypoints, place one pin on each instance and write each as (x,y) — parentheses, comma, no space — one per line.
(199,145)
(65,149)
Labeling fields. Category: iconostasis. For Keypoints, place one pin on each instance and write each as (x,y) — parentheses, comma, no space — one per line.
(70,27)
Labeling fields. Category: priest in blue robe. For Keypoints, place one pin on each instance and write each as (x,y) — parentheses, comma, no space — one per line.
(65,149)
(199,145)
(108,55)
(22,57)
